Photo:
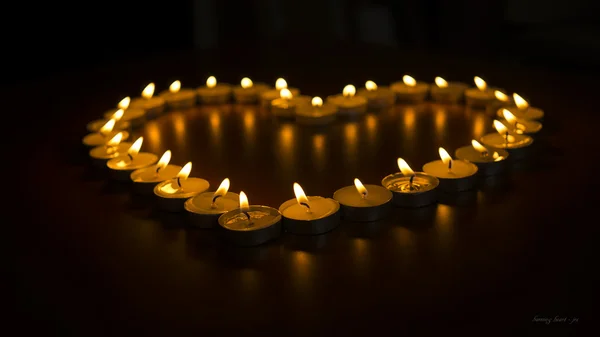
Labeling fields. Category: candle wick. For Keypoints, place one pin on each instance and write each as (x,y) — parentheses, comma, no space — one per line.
(364,195)
(450,165)
(506,140)
(484,154)
(247,214)
(305,204)
(130,157)
(179,182)
(214,200)
(410,181)
(158,167)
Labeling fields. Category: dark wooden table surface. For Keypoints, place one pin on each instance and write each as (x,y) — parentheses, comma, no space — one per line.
(91,260)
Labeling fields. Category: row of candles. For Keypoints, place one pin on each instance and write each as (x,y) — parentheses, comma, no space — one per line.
(247,224)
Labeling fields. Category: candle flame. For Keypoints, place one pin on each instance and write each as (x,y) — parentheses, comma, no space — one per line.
(371,86)
(114,141)
(480,83)
(510,118)
(280,84)
(164,160)
(497,156)
(520,102)
(500,128)
(223,188)
(445,156)
(118,115)
(411,82)
(134,149)
(477,146)
(244,204)
(360,187)
(185,171)
(317,101)
(211,82)
(108,127)
(124,103)
(440,82)
(285,93)
(300,196)
(175,87)
(501,96)
(148,91)
(246,83)
(404,168)
(349,91)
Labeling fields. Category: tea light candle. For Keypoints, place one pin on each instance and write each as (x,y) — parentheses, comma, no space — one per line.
(489,161)
(363,203)
(517,145)
(377,97)
(112,149)
(103,135)
(214,93)
(447,92)
(205,208)
(481,96)
(248,92)
(411,189)
(172,193)
(309,215)
(153,106)
(348,104)
(122,166)
(134,116)
(251,225)
(409,90)
(122,105)
(95,126)
(520,125)
(177,98)
(268,96)
(454,175)
(146,178)
(284,107)
(316,113)
(523,110)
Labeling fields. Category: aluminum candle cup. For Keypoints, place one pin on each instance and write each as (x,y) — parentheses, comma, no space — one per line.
(363,203)
(101,154)
(481,96)
(411,189)
(316,113)
(248,92)
(347,104)
(122,166)
(214,93)
(454,175)
(178,98)
(173,193)
(517,145)
(489,161)
(447,92)
(520,125)
(145,179)
(204,213)
(377,97)
(409,90)
(98,139)
(309,215)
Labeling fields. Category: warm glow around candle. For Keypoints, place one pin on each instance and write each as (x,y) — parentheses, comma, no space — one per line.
(285,93)
(349,91)
(480,83)
(477,146)
(185,171)
(246,83)
(164,160)
(317,102)
(175,87)
(445,156)
(300,196)
(211,82)
(148,91)
(501,96)
(404,168)
(114,141)
(280,84)
(520,102)
(440,82)
(134,149)
(118,115)
(244,204)
(223,188)
(108,127)
(124,103)
(411,82)
(360,187)
(371,86)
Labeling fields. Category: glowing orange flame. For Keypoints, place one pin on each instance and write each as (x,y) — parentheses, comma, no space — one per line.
(409,81)
(371,86)
(440,82)
(480,83)
(404,168)
(317,101)
(175,87)
(148,91)
(246,83)
(349,91)
(280,84)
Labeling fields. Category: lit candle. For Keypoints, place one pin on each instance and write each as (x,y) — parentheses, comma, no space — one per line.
(103,135)
(172,193)
(248,92)
(146,178)
(206,208)
(251,225)
(134,116)
(152,105)
(213,93)
(409,90)
(520,125)
(316,113)
(363,202)
(490,161)
(522,110)
(122,166)
(516,144)
(454,175)
(268,96)
(112,149)
(481,96)
(309,215)
(377,97)
(447,92)
(178,98)
(411,189)
(347,103)
(120,124)
(501,100)
(285,106)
